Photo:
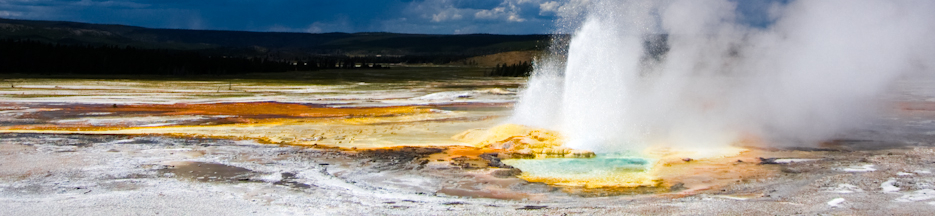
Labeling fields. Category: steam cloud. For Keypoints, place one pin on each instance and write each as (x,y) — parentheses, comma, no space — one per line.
(817,70)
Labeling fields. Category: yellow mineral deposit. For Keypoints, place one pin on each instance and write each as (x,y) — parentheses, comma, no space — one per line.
(278,123)
(521,141)
(665,168)
(390,127)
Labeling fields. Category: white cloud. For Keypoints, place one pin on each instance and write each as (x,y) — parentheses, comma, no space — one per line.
(490,14)
(550,7)
(443,11)
(446,15)
(510,13)
(10,14)
(515,18)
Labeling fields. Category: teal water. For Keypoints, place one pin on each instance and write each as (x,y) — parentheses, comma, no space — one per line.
(600,165)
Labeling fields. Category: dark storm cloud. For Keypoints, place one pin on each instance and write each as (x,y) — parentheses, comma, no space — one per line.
(408,16)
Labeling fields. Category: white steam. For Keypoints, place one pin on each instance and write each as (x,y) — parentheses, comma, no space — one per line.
(816,71)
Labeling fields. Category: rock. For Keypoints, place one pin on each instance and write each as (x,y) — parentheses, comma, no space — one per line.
(529,207)
(506,173)
(768,161)
(467,162)
(493,160)
(677,187)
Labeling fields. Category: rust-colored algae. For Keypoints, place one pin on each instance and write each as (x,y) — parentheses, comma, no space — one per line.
(271,109)
(916,106)
(265,122)
(336,128)
(234,113)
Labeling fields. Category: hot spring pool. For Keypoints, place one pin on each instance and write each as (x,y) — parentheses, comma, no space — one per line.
(601,170)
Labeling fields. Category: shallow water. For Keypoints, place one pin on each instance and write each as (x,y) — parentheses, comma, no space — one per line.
(601,170)
(601,165)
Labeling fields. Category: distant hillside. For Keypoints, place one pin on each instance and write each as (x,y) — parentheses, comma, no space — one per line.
(512,57)
(254,43)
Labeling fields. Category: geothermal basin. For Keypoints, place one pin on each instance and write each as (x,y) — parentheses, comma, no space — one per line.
(366,146)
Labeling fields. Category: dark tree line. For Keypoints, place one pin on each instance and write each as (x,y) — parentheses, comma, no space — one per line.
(513,70)
(25,56)
(318,62)
(33,57)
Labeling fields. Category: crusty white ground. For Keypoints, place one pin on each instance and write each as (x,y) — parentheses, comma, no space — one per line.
(94,175)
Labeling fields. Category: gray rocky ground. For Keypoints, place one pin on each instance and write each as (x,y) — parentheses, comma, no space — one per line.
(150,175)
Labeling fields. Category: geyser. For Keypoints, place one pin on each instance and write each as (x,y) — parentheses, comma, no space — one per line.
(692,74)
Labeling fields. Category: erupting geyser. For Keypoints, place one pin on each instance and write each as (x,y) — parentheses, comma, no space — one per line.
(695,75)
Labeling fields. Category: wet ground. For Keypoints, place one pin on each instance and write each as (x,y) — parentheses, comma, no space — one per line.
(157,150)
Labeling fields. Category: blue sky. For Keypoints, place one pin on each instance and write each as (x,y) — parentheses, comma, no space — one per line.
(315,16)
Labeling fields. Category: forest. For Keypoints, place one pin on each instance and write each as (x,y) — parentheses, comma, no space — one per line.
(513,70)
(34,57)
